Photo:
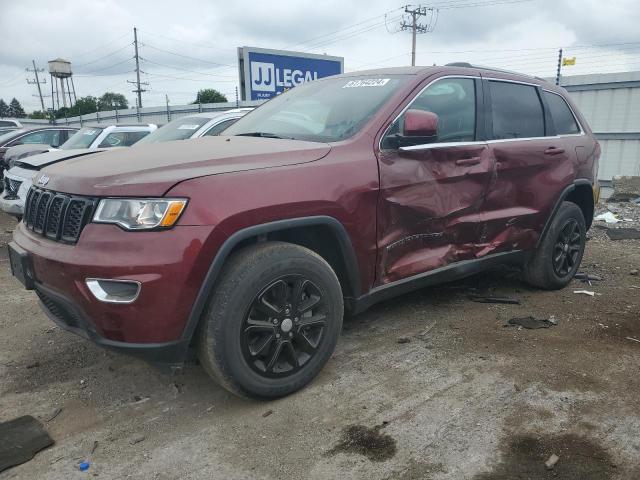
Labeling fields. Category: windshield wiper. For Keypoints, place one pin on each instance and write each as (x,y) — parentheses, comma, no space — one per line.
(263,135)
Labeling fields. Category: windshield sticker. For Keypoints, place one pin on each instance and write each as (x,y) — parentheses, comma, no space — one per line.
(188,126)
(367,82)
(90,132)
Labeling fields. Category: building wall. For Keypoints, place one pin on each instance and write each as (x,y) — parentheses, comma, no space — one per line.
(611,104)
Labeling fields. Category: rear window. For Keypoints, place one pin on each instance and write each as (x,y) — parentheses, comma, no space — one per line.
(179,129)
(516,111)
(563,118)
(83,138)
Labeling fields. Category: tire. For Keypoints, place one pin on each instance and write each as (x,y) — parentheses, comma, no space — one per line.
(565,239)
(246,321)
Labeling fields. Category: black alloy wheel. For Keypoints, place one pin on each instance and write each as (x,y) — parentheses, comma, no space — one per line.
(284,326)
(567,248)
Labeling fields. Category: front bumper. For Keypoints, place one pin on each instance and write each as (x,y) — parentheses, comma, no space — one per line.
(170,266)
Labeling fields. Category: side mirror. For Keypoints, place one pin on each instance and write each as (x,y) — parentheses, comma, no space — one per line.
(419,123)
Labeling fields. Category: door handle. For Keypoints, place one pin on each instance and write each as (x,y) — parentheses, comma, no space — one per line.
(554,151)
(468,162)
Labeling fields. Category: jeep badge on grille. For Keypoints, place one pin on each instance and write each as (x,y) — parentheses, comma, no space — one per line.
(43,180)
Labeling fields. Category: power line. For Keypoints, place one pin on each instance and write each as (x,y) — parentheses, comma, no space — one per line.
(185,56)
(348,27)
(100,47)
(144,59)
(104,56)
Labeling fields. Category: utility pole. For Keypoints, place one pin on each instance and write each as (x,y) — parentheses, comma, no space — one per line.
(138,90)
(559,67)
(37,82)
(410,22)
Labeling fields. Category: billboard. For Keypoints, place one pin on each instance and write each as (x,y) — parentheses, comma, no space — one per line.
(267,73)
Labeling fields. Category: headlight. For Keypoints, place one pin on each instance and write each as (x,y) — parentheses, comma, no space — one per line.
(140,213)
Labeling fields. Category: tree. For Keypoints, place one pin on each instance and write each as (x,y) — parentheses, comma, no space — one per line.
(4,109)
(39,115)
(15,109)
(209,95)
(83,106)
(111,99)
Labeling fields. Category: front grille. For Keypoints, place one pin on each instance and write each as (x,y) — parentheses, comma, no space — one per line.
(11,188)
(57,216)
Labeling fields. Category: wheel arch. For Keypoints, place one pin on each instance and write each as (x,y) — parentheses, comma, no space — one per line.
(324,235)
(579,192)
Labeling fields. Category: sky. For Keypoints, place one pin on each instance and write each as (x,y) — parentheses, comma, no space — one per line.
(192,44)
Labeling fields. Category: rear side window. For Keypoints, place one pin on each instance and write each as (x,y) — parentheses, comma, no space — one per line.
(516,111)
(563,118)
(122,139)
(219,128)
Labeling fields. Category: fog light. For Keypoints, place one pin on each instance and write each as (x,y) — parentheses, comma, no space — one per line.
(114,291)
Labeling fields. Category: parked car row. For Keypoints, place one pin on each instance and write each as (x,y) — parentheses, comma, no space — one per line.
(24,159)
(248,248)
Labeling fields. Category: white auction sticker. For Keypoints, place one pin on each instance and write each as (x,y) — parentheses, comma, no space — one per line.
(188,126)
(367,82)
(90,132)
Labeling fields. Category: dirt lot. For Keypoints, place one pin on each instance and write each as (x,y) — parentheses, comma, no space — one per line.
(464,398)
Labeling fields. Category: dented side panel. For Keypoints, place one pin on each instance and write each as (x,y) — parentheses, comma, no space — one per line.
(429,212)
(526,185)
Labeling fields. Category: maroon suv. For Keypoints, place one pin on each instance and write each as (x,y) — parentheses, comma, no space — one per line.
(249,247)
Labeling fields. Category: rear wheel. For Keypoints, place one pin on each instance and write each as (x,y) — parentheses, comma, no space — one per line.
(558,257)
(272,321)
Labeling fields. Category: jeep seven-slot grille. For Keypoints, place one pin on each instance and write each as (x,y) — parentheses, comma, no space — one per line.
(57,216)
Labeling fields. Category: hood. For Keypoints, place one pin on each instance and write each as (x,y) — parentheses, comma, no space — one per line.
(36,162)
(151,170)
(27,149)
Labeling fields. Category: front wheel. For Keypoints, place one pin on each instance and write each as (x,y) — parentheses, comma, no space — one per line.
(558,257)
(272,321)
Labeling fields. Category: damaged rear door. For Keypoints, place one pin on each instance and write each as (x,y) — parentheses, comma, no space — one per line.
(431,192)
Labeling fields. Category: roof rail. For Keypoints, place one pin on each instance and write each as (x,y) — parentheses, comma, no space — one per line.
(491,69)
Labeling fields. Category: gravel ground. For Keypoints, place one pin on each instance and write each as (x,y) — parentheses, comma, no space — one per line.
(427,386)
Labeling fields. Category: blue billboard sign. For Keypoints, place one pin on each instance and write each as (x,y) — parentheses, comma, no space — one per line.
(267,73)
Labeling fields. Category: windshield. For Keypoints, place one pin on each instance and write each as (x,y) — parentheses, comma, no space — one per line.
(178,129)
(83,138)
(327,110)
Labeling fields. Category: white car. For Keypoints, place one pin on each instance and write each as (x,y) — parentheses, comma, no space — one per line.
(18,179)
(87,137)
(19,173)
(195,126)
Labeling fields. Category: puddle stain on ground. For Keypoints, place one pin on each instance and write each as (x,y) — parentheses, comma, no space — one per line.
(367,441)
(523,457)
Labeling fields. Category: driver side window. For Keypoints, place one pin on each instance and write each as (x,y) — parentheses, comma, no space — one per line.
(453,100)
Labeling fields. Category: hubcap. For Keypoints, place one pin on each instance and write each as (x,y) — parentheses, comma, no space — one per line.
(284,326)
(567,248)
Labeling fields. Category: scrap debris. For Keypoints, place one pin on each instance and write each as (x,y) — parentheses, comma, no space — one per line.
(505,300)
(551,462)
(587,277)
(531,323)
(623,233)
(585,292)
(22,438)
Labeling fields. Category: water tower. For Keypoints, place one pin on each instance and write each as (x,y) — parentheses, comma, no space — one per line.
(60,71)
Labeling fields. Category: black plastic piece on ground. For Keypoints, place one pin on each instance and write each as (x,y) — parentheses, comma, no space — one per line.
(506,300)
(20,439)
(623,233)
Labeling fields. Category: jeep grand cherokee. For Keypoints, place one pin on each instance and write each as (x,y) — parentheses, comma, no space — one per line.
(344,191)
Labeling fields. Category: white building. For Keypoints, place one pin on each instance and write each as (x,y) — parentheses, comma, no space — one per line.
(611,104)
